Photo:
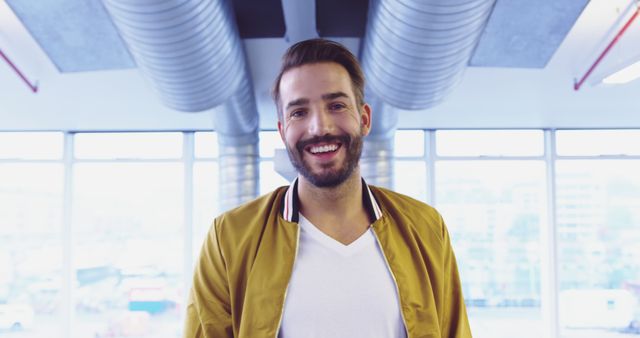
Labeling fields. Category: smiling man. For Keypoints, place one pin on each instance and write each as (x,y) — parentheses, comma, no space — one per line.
(325,122)
(327,256)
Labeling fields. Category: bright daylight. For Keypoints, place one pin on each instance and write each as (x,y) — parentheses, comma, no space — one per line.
(279,168)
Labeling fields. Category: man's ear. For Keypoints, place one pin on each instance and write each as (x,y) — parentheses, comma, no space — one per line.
(281,130)
(365,119)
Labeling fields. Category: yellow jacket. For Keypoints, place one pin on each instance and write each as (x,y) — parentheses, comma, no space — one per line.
(243,272)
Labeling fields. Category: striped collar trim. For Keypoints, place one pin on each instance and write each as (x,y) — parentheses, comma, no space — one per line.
(291,206)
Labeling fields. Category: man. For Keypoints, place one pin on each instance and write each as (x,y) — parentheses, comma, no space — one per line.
(327,256)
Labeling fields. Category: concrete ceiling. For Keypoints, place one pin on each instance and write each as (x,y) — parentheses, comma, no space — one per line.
(525,34)
(520,75)
(80,36)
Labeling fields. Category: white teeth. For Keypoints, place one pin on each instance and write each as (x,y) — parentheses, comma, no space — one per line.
(324,149)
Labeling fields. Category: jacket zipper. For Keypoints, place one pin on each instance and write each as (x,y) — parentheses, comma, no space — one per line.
(284,298)
(395,282)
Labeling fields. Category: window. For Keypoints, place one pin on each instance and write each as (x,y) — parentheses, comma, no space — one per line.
(597,142)
(128,145)
(490,143)
(269,142)
(206,145)
(130,256)
(413,184)
(31,262)
(205,201)
(31,145)
(598,213)
(128,230)
(490,186)
(494,211)
(269,178)
(409,143)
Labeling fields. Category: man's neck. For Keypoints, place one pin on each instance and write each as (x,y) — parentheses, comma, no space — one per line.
(337,211)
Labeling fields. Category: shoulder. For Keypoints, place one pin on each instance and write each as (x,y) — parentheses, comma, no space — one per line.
(409,211)
(250,216)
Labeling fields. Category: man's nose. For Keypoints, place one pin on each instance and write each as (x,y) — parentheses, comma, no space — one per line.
(321,123)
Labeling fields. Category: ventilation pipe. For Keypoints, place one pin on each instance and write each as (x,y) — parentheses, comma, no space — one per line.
(413,54)
(238,148)
(415,51)
(192,54)
(376,162)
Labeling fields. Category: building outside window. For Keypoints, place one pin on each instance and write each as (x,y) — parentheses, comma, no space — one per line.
(99,231)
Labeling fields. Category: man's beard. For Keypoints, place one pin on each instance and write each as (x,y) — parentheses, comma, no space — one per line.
(329,177)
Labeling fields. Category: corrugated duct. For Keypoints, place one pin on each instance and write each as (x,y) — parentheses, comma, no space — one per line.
(192,54)
(376,162)
(415,52)
(239,154)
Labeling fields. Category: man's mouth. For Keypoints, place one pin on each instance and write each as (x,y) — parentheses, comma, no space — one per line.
(324,145)
(324,148)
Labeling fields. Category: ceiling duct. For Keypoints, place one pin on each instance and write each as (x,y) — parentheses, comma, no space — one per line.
(190,50)
(415,51)
(376,162)
(238,148)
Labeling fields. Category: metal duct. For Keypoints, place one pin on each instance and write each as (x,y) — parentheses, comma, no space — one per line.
(415,51)
(376,162)
(236,120)
(189,49)
(191,52)
(238,148)
(238,175)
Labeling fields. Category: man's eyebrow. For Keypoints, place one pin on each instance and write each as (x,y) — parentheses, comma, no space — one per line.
(332,96)
(298,102)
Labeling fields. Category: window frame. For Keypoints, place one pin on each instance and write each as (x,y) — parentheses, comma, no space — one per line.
(550,156)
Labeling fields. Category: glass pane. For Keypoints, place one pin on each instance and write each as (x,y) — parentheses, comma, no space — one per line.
(598,217)
(495,211)
(205,201)
(269,178)
(128,249)
(31,145)
(409,143)
(269,141)
(206,144)
(490,142)
(128,145)
(410,178)
(31,250)
(598,142)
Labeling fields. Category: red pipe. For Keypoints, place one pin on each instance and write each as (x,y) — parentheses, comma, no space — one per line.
(577,85)
(34,88)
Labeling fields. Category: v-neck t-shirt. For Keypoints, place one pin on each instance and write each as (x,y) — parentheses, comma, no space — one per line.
(339,290)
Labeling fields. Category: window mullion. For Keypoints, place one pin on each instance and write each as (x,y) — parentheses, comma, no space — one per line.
(430,158)
(67,238)
(549,287)
(188,156)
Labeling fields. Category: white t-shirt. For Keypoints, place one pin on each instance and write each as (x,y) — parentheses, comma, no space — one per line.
(340,291)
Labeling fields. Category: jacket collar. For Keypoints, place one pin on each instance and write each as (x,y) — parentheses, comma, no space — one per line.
(291,205)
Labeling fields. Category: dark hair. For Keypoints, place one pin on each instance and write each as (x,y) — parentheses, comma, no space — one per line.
(316,51)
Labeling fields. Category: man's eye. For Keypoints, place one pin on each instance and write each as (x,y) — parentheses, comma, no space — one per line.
(337,106)
(296,113)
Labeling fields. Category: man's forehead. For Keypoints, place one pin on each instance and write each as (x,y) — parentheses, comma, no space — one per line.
(325,97)
(325,80)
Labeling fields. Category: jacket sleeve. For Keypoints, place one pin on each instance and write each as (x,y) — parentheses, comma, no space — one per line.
(454,323)
(208,308)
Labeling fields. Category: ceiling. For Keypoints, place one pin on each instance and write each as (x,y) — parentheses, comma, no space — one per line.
(520,75)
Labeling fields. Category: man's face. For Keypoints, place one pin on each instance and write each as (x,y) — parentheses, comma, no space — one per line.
(322,126)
